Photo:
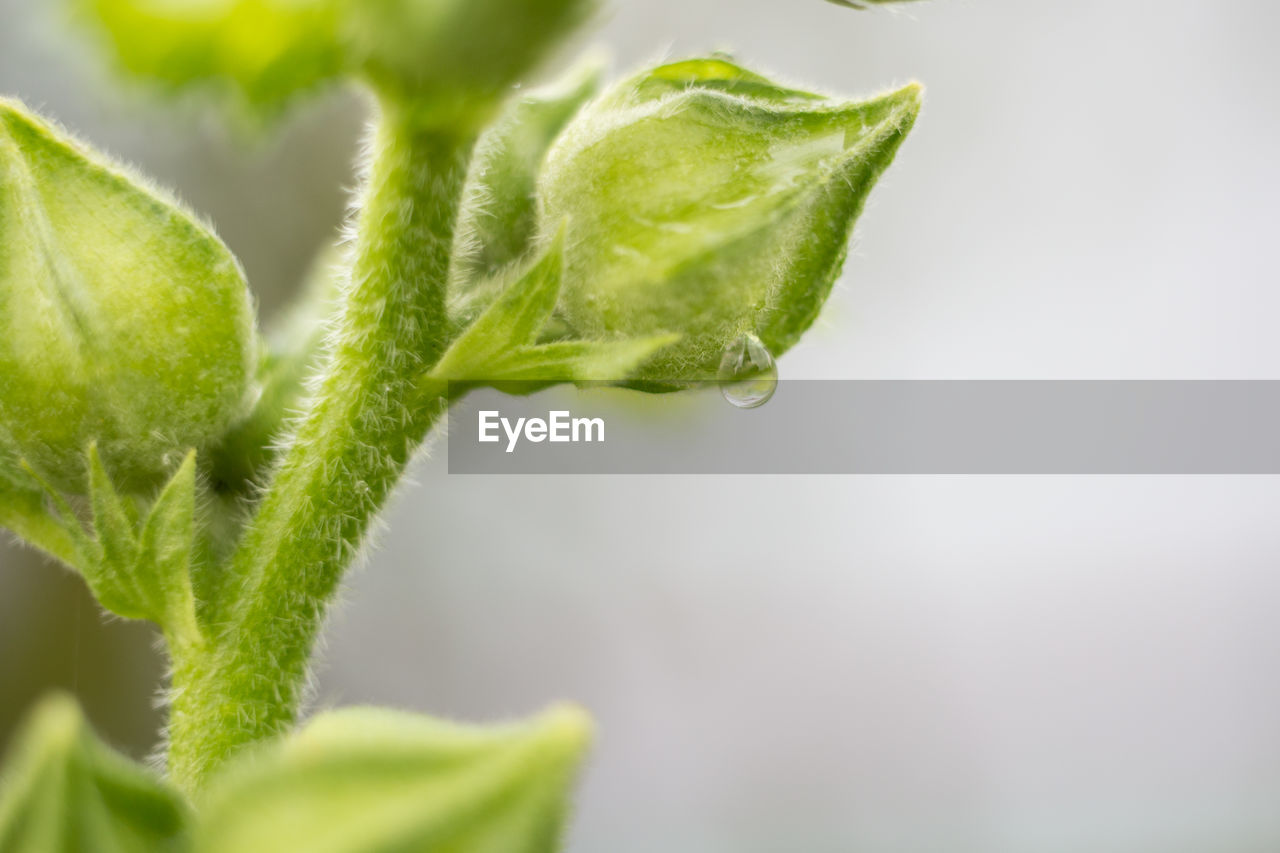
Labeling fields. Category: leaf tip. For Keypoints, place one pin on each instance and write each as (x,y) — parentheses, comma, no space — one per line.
(567,728)
(913,90)
(57,718)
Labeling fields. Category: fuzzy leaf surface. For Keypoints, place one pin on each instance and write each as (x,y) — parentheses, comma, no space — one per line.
(140,567)
(363,779)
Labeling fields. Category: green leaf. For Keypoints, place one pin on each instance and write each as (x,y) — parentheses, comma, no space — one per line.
(65,792)
(708,201)
(364,779)
(136,567)
(524,302)
(122,319)
(500,345)
(262,52)
(145,574)
(165,552)
(25,513)
(498,219)
(115,527)
(575,361)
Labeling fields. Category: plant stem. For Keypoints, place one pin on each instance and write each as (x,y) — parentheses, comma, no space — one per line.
(348,451)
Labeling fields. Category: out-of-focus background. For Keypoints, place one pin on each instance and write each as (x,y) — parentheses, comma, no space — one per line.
(833,664)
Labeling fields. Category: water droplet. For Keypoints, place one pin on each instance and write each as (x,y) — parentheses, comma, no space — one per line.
(748,373)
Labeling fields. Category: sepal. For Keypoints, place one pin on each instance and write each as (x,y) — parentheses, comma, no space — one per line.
(453,60)
(505,343)
(136,560)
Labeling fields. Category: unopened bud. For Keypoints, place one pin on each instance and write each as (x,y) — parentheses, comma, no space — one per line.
(706,201)
(122,320)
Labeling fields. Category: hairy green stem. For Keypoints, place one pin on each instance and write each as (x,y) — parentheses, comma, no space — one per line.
(347,453)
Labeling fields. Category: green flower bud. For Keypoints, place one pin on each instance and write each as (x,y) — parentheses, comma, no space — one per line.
(263,53)
(456,57)
(122,320)
(709,202)
(451,59)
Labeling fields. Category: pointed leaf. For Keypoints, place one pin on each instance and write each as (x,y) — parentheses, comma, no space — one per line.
(824,218)
(167,540)
(577,361)
(114,524)
(55,531)
(65,791)
(147,575)
(365,779)
(514,318)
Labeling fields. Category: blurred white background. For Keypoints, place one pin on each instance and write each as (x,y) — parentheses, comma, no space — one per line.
(834,664)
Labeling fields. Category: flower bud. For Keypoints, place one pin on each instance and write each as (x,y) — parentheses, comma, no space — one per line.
(451,60)
(263,53)
(124,321)
(455,57)
(706,201)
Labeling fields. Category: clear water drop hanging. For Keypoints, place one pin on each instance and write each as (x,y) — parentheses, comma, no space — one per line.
(748,374)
